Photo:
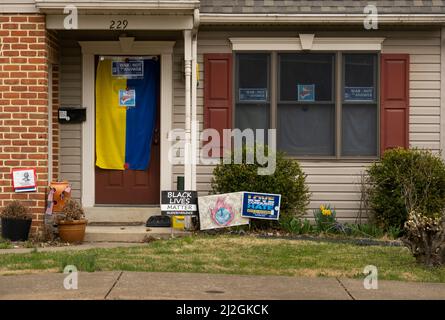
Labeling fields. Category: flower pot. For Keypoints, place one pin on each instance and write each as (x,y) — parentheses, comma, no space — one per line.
(15,229)
(72,231)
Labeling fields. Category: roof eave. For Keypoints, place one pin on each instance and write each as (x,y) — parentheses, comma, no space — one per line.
(56,5)
(240,19)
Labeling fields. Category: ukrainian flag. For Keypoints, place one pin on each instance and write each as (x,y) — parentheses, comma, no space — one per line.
(125,113)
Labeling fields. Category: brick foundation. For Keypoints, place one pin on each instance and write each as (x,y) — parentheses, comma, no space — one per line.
(26,52)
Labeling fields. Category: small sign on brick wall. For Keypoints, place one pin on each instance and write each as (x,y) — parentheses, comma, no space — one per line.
(24,180)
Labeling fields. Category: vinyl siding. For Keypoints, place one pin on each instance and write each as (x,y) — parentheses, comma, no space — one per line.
(424,130)
(338,182)
(71,134)
(335,182)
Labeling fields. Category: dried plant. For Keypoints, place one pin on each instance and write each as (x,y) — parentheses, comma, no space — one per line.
(363,212)
(16,210)
(72,210)
(425,237)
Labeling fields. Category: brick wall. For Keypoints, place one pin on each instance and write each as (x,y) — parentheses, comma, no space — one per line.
(26,49)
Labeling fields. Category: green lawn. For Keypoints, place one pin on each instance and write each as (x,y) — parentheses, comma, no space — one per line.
(234,255)
(5,244)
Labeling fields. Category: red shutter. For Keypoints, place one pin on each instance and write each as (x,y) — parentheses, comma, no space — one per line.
(394,101)
(218,92)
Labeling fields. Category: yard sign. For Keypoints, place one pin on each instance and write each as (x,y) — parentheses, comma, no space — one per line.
(261,205)
(179,202)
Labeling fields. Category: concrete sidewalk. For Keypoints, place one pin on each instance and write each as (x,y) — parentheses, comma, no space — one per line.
(140,285)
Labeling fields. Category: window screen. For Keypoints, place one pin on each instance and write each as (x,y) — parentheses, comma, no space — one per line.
(359,107)
(306,108)
(306,77)
(312,109)
(252,91)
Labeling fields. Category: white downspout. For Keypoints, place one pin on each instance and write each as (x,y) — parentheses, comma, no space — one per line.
(195,124)
(188,100)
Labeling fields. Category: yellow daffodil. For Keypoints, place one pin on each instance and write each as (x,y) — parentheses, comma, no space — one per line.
(321,207)
(326,212)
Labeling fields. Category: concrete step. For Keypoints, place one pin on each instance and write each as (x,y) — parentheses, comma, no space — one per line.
(129,233)
(124,215)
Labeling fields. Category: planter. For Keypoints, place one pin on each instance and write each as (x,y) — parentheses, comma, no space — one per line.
(15,229)
(72,231)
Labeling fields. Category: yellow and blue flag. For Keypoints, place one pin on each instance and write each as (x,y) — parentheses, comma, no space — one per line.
(126,101)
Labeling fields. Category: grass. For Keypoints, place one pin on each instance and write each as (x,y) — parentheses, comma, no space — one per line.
(5,244)
(234,255)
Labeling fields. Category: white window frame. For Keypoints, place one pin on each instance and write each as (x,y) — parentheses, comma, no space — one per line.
(310,43)
(307,42)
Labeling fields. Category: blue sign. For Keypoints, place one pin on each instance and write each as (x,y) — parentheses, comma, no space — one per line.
(253,94)
(261,205)
(128,69)
(359,93)
(306,92)
(127,98)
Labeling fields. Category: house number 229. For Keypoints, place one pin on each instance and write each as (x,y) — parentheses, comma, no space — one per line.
(118,24)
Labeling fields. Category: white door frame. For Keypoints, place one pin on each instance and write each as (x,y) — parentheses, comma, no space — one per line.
(126,46)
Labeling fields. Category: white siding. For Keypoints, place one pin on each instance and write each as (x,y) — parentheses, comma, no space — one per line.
(335,182)
(338,182)
(424,130)
(71,95)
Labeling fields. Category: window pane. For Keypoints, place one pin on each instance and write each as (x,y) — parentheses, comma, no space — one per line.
(306,77)
(359,110)
(252,74)
(306,129)
(252,91)
(253,116)
(359,131)
(360,73)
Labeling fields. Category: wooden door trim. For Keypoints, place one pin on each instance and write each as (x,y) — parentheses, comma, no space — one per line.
(164,49)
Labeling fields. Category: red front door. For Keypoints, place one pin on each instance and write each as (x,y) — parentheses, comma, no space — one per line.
(131,187)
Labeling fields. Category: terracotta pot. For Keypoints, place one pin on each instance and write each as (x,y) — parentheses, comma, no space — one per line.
(72,231)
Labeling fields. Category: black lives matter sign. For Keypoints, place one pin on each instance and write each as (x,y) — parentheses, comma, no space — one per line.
(179,202)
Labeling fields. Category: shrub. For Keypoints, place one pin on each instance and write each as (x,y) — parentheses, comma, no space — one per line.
(16,210)
(405,180)
(325,218)
(287,180)
(425,237)
(72,210)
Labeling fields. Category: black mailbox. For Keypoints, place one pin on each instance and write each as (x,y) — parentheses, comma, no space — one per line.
(72,115)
